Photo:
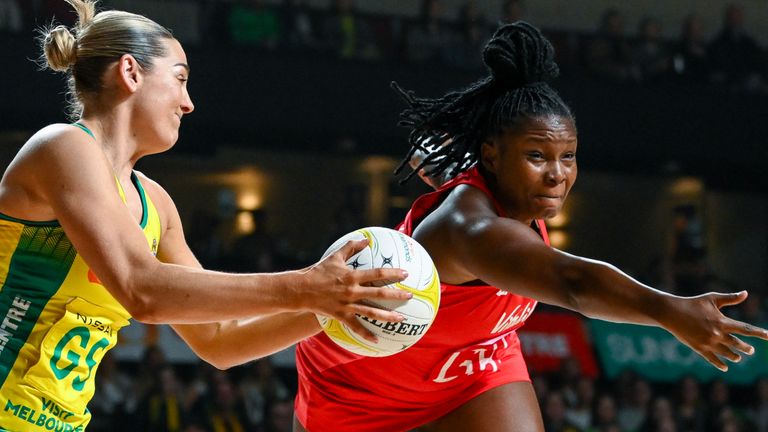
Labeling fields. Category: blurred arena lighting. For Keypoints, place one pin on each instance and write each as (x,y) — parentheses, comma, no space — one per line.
(689,187)
(560,221)
(244,224)
(248,199)
(379,170)
(559,239)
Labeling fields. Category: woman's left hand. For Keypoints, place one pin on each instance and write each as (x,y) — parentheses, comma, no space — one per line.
(699,323)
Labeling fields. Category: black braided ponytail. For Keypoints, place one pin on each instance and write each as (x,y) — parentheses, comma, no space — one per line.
(450,129)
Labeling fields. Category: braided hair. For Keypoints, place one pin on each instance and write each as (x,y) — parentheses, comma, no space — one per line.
(450,129)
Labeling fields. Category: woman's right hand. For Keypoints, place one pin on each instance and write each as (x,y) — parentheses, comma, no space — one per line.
(334,290)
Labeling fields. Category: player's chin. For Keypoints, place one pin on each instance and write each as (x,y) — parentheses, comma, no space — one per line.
(173,137)
(548,212)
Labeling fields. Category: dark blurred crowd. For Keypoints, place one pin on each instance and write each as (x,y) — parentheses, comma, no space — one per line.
(156,396)
(728,56)
(571,402)
(732,58)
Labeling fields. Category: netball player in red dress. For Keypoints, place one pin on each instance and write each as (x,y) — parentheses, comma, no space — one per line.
(510,142)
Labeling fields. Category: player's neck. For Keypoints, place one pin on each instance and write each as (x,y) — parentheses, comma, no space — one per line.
(112,132)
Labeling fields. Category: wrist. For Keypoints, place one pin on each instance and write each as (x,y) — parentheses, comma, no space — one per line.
(297,285)
(664,310)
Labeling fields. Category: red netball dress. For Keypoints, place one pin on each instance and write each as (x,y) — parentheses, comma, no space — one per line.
(471,347)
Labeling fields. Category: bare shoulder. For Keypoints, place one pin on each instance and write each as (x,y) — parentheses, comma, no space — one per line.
(55,139)
(444,231)
(461,211)
(57,142)
(60,133)
(470,212)
(462,228)
(40,158)
(54,150)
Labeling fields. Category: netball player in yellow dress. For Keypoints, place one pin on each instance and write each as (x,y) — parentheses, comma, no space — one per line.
(86,242)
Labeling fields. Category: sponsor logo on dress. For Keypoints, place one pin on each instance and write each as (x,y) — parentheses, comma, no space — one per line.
(12,319)
(515,318)
(51,416)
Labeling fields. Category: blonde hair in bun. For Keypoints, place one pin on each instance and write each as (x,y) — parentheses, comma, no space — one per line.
(97,41)
(60,49)
(59,44)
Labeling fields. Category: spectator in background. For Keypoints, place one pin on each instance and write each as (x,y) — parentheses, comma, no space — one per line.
(261,389)
(633,414)
(253,23)
(297,25)
(194,426)
(347,34)
(623,387)
(759,410)
(569,375)
(608,54)
(470,38)
(554,411)
(730,421)
(605,415)
(690,412)
(224,410)
(690,60)
(199,390)
(541,387)
(650,54)
(719,407)
(660,418)
(429,38)
(280,417)
(10,16)
(161,409)
(737,61)
(579,412)
(109,401)
(512,10)
(689,254)
(152,362)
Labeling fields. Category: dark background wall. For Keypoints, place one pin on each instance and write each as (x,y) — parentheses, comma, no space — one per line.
(252,99)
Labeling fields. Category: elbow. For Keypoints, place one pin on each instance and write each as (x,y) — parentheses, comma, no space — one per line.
(215,348)
(215,357)
(137,291)
(573,282)
(143,307)
(219,364)
(145,313)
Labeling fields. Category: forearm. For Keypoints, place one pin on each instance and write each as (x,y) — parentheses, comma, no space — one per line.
(233,343)
(513,257)
(172,294)
(600,290)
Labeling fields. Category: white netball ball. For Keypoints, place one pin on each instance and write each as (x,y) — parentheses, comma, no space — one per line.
(388,248)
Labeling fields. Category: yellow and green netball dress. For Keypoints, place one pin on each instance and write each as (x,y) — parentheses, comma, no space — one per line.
(56,323)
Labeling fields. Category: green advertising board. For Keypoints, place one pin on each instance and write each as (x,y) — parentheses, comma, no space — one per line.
(659,356)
